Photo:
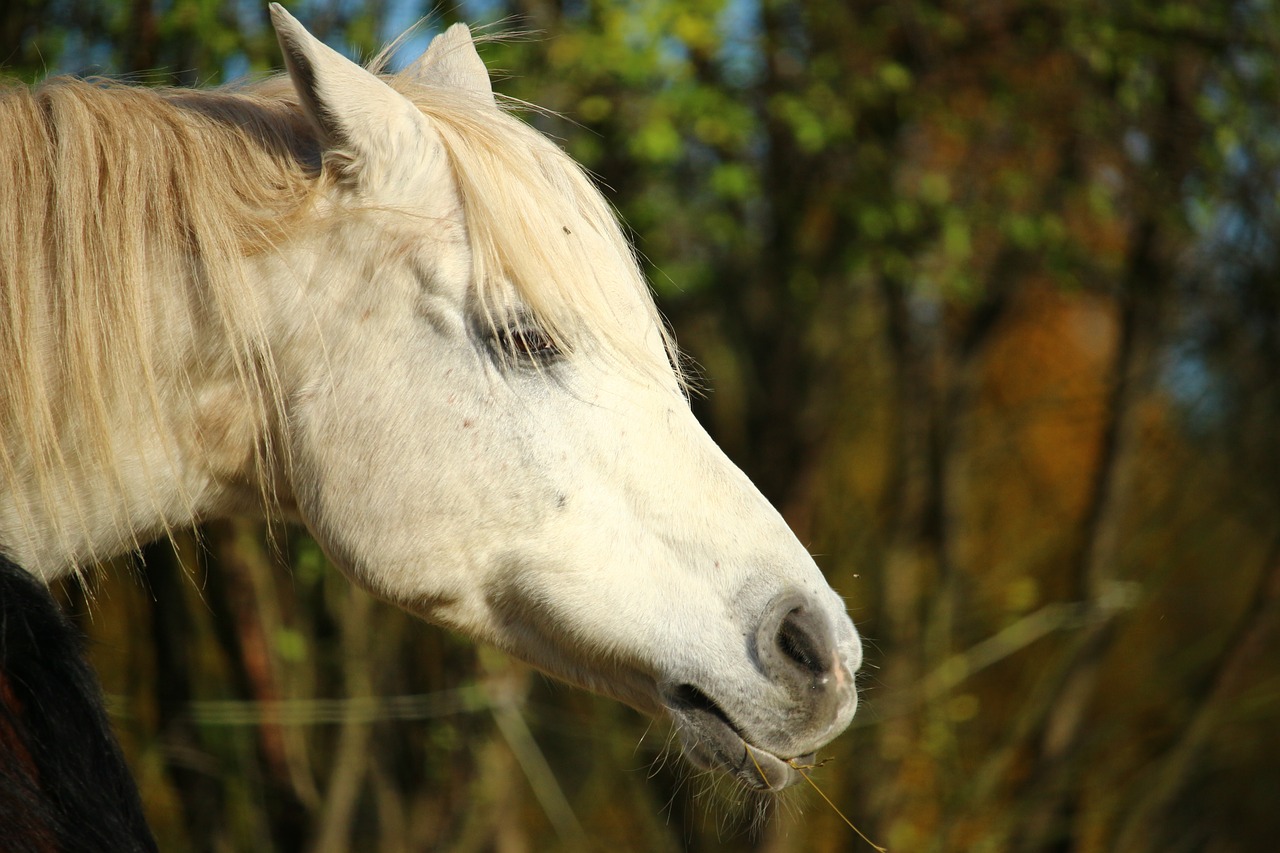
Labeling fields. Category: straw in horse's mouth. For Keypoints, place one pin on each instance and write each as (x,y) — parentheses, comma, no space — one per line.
(714,741)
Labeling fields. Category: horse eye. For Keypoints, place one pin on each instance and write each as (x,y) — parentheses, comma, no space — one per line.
(527,342)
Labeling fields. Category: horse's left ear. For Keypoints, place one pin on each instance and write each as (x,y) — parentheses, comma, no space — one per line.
(451,60)
(376,136)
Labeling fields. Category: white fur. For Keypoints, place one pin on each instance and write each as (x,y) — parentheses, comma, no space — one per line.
(572,512)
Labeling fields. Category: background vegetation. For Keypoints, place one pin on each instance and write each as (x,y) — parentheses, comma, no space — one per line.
(987,300)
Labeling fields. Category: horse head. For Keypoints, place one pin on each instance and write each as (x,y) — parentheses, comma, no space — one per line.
(385,306)
(485,426)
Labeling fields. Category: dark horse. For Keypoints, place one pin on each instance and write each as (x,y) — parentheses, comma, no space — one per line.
(64,785)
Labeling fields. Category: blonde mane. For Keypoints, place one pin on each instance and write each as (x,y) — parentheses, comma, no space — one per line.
(109,191)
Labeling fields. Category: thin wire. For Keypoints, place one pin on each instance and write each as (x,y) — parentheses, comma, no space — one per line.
(835,809)
(751,754)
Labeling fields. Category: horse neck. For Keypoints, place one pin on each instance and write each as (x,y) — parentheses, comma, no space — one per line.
(131,331)
(178,447)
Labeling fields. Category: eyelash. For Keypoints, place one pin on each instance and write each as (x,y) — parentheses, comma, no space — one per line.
(527,342)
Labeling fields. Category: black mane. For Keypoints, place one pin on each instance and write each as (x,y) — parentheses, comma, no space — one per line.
(64,784)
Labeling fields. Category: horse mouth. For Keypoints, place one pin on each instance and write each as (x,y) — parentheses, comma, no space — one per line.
(711,740)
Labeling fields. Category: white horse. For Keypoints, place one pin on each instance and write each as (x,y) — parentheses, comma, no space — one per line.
(384,307)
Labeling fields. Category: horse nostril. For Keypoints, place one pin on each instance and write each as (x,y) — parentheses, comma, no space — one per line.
(798,653)
(798,640)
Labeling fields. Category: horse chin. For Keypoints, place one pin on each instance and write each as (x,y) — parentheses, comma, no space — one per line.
(713,742)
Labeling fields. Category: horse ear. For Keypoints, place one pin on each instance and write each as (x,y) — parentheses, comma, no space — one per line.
(451,60)
(379,138)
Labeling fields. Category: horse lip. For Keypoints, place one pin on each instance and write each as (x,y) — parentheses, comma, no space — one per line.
(712,740)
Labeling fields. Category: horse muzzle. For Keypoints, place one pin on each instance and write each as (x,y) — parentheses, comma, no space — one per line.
(806,698)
